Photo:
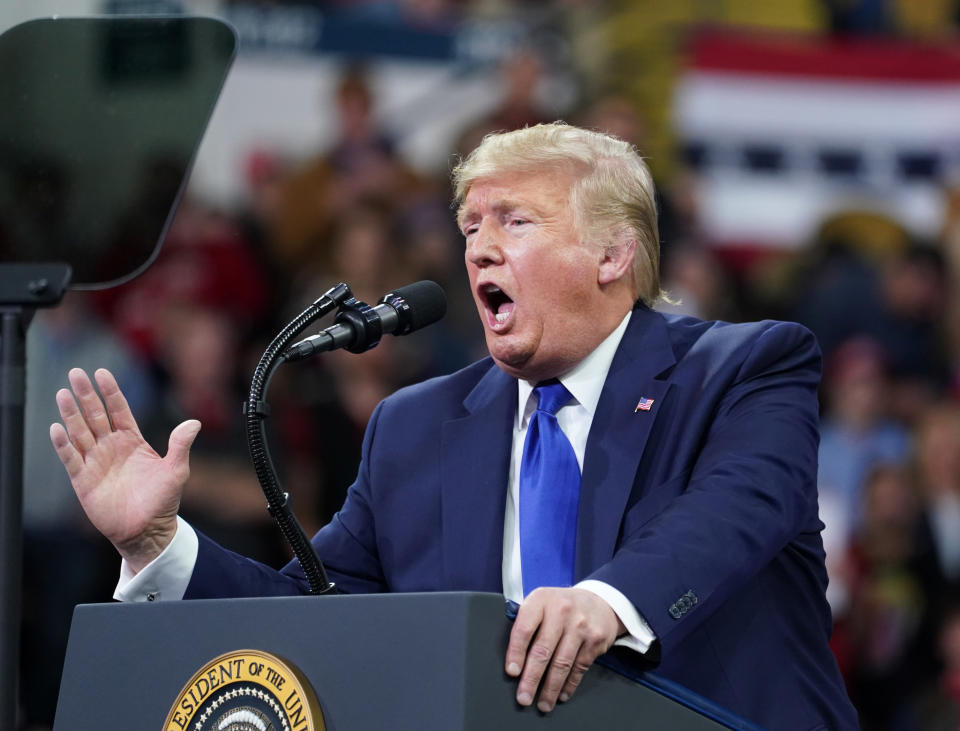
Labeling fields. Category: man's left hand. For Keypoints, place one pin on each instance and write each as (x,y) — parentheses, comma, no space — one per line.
(558,632)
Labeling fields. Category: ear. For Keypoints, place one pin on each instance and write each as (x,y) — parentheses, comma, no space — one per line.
(617,261)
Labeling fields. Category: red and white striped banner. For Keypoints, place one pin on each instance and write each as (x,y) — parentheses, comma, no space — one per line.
(787,130)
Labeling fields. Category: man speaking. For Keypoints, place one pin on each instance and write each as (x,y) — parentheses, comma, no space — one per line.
(628,477)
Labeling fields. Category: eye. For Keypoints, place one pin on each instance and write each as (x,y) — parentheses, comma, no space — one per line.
(516,221)
(470,229)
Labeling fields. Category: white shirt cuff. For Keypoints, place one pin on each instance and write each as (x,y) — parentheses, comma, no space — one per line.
(639,636)
(167,576)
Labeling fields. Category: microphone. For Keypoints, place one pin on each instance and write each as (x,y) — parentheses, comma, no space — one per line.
(359,326)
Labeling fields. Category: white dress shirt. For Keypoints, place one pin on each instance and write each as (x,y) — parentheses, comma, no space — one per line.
(168,575)
(585,383)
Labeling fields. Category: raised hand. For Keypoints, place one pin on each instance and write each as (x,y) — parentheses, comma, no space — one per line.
(129,492)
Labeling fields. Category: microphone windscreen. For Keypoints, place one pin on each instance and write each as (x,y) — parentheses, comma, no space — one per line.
(419,304)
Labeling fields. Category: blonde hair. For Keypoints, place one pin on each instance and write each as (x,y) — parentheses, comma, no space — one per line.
(612,196)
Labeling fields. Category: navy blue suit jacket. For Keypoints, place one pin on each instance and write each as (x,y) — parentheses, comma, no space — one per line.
(702,510)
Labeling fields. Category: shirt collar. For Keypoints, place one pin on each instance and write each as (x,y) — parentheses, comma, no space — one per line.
(585,380)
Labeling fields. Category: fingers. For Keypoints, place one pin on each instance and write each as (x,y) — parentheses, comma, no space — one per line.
(76,426)
(580,666)
(566,658)
(593,643)
(92,408)
(529,616)
(86,416)
(65,450)
(117,408)
(538,648)
(557,635)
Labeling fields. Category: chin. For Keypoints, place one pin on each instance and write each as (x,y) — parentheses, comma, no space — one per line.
(507,369)
(508,359)
(525,368)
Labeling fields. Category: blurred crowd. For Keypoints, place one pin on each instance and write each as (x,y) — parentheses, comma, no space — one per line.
(184,337)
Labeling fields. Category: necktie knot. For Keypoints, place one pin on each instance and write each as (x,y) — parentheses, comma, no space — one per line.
(551,396)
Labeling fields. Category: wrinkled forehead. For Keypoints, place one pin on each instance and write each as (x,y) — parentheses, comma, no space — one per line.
(515,188)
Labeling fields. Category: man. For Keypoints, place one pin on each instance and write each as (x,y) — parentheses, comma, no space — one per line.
(690,448)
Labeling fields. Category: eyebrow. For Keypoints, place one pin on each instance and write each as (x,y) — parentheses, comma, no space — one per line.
(463,213)
(500,205)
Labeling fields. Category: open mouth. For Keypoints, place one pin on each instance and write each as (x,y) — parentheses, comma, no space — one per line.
(499,306)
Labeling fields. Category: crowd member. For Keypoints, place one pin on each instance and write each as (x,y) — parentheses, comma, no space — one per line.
(856,434)
(361,168)
(630,477)
(883,632)
(520,80)
(937,704)
(938,480)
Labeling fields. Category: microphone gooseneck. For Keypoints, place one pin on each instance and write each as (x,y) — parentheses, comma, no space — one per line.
(358,328)
(256,410)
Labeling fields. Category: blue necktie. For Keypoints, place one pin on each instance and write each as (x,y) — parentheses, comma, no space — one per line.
(549,495)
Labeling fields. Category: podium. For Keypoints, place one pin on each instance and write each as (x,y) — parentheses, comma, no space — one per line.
(391,661)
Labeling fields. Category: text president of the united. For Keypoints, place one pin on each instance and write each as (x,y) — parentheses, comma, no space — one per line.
(679,490)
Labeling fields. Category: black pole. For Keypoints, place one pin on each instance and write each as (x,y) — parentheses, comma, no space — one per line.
(23,289)
(12,396)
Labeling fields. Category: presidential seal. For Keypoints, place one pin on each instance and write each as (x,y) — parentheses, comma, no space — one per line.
(246,690)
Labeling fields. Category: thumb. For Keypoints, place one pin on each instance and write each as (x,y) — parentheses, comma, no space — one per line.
(181,439)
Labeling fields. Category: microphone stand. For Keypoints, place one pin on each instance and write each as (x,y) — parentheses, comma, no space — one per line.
(256,410)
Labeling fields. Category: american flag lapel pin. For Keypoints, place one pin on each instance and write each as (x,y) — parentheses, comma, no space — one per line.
(644,404)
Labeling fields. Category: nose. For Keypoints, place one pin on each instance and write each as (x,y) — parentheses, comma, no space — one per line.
(483,248)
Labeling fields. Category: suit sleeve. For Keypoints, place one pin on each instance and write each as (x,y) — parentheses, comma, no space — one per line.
(751,490)
(346,545)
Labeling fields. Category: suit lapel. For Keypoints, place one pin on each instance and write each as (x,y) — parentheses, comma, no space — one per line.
(475,464)
(619,433)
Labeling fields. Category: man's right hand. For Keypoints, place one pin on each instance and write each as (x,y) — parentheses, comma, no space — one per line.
(129,492)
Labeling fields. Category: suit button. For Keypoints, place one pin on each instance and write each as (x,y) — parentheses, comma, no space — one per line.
(675,611)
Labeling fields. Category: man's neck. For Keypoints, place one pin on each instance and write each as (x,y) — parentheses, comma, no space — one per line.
(585,380)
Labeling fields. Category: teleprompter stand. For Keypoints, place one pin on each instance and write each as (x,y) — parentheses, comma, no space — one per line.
(24,288)
(82,158)
(386,661)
